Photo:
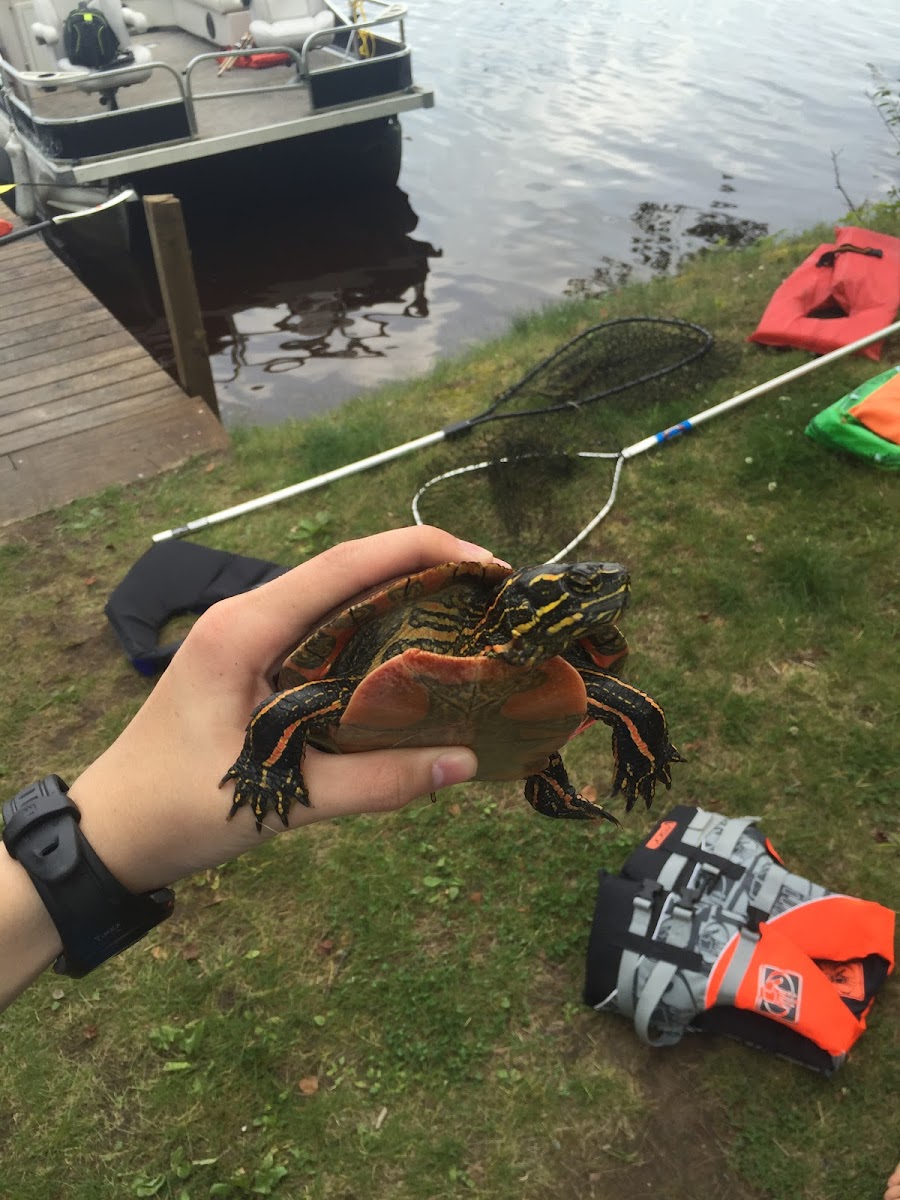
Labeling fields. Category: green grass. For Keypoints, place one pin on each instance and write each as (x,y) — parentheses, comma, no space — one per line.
(390,1008)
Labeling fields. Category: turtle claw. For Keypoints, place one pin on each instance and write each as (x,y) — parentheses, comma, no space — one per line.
(552,795)
(637,771)
(265,790)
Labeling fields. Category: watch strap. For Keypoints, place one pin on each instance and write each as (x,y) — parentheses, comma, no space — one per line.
(95,915)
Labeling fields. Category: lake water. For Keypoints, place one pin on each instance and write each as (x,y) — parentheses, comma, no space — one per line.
(572,144)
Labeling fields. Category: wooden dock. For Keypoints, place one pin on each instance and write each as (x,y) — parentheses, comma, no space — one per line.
(82,404)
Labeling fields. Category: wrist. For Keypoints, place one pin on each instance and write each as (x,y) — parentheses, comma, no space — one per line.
(96,916)
(122,837)
(29,941)
(154,829)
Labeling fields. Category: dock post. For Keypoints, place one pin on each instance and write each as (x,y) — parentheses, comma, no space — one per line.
(175,271)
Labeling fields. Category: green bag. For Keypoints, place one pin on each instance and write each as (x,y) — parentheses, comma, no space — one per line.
(837,428)
(89,39)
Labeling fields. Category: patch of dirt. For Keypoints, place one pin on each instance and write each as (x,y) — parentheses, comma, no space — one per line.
(678,1151)
(680,1147)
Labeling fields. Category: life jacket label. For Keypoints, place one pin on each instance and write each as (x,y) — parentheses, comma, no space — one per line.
(656,839)
(778,994)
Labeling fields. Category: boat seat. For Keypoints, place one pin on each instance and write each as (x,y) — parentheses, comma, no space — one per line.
(288,22)
(47,28)
(222,22)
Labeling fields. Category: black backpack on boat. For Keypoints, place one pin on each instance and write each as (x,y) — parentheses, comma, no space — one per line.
(89,39)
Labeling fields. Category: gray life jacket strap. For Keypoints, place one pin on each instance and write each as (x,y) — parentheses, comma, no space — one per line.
(677,938)
(685,849)
(690,848)
(737,968)
(638,931)
(654,989)
(671,954)
(734,830)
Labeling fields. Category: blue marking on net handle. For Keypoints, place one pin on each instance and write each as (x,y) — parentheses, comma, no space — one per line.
(674,431)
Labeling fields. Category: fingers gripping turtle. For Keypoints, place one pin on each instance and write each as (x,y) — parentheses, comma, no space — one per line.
(512,664)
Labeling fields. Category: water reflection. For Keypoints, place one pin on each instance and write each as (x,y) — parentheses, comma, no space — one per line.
(663,239)
(319,285)
(330,285)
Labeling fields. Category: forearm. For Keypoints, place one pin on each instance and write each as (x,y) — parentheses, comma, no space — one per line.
(28,938)
(153,807)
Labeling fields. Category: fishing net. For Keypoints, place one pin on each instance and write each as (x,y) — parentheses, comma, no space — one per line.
(516,457)
(527,461)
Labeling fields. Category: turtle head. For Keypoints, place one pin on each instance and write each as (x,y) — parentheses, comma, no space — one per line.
(541,611)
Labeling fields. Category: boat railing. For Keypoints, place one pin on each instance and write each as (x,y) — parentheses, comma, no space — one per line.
(50,81)
(221,91)
(392,11)
(341,47)
(335,66)
(31,82)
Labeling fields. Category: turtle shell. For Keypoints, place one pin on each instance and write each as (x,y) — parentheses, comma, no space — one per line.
(423,683)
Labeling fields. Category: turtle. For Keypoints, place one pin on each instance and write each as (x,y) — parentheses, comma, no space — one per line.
(513,663)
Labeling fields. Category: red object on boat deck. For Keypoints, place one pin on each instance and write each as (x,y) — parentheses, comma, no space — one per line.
(5,228)
(255,62)
(841,292)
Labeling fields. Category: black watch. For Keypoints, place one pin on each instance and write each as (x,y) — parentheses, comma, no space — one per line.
(95,915)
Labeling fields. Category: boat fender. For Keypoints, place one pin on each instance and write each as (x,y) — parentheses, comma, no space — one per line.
(24,204)
(706,930)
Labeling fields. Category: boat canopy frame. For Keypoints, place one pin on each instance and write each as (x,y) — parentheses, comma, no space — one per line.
(342,89)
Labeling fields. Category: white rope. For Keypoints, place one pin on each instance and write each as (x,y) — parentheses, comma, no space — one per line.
(482,466)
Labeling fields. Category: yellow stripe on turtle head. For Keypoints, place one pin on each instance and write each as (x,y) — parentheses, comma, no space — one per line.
(541,611)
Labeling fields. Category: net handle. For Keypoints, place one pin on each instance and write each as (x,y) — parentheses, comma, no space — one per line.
(674,431)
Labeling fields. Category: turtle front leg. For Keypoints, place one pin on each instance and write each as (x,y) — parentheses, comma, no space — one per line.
(551,793)
(268,773)
(642,751)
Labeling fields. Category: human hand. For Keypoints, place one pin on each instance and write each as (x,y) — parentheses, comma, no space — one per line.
(151,804)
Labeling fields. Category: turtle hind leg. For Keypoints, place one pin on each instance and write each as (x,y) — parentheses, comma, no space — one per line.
(552,795)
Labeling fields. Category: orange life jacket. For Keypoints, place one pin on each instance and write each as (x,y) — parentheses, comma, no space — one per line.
(880,410)
(841,292)
(707,930)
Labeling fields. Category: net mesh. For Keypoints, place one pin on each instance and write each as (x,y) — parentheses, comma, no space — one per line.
(604,389)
